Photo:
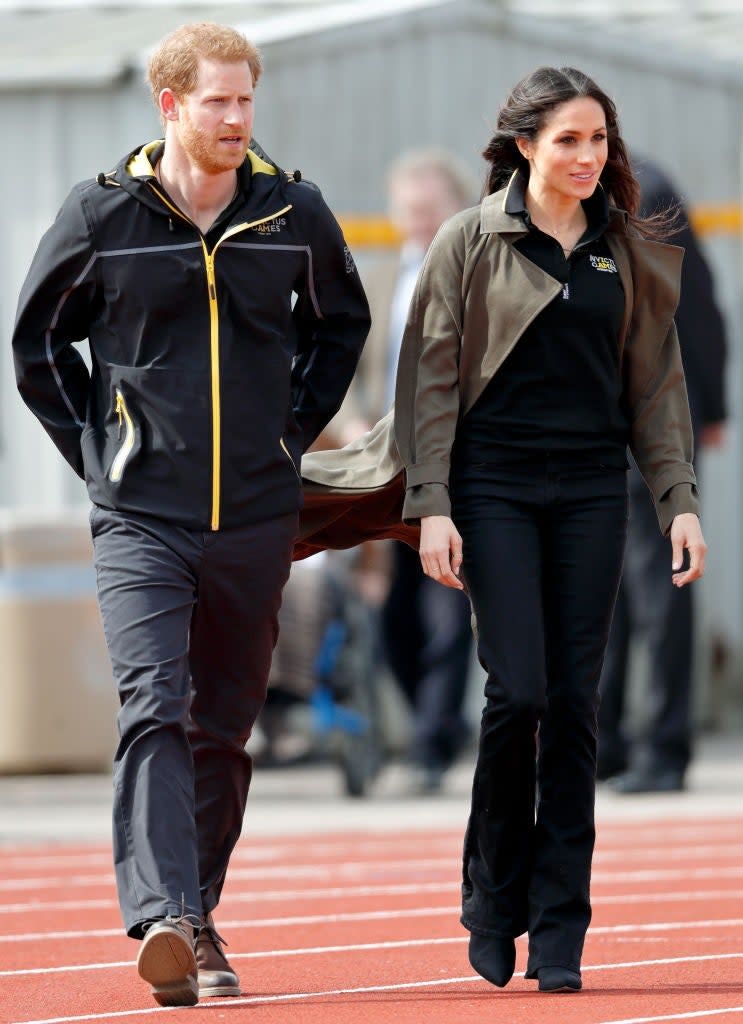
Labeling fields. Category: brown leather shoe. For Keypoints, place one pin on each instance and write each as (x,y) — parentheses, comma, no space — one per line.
(166,960)
(216,977)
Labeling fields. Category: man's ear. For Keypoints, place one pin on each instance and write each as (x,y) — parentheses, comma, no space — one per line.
(169,105)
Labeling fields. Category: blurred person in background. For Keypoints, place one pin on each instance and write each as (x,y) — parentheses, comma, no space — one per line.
(648,607)
(426,630)
(180,267)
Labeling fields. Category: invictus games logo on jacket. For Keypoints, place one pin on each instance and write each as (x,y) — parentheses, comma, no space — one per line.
(603,263)
(350,265)
(271,227)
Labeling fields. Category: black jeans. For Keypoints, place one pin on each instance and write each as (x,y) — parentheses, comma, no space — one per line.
(543,548)
(190,619)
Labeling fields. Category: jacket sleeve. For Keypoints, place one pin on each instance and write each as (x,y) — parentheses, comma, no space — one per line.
(661,437)
(331,318)
(427,391)
(53,312)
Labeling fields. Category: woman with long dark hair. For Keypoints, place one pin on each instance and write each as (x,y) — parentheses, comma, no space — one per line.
(541,343)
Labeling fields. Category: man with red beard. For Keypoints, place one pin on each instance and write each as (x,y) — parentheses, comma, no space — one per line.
(225,317)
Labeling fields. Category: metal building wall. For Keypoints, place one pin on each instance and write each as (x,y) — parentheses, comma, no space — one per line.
(340,104)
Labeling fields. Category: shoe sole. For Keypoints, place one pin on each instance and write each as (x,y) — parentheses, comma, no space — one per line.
(167,963)
(562,988)
(220,990)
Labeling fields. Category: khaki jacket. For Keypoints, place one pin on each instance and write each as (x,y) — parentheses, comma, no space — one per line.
(475,297)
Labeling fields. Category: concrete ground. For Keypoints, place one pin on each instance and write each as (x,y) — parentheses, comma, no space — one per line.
(307,799)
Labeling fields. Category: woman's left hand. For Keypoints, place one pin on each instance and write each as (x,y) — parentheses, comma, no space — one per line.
(687,533)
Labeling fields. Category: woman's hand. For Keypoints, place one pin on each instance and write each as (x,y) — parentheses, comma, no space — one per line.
(441,550)
(687,533)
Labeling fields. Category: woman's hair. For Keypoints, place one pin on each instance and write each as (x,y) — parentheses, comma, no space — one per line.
(525,113)
(175,63)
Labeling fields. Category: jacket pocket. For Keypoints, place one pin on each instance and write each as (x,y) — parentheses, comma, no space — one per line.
(126,422)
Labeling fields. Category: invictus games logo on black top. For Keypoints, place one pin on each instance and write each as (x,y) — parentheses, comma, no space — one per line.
(271,227)
(605,263)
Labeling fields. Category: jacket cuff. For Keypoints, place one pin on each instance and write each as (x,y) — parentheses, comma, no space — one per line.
(426,500)
(676,500)
(434,472)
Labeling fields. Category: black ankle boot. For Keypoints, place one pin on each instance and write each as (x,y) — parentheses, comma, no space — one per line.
(558,979)
(493,957)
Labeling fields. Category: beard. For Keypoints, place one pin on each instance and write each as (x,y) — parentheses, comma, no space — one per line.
(203,149)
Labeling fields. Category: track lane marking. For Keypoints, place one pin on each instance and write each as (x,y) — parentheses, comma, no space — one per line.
(609,831)
(402,986)
(376,915)
(250,853)
(360,891)
(678,1016)
(355,868)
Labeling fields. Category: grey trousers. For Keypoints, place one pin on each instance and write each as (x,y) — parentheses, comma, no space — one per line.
(191,619)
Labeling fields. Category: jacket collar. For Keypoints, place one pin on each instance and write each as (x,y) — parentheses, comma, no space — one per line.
(258,176)
(503,212)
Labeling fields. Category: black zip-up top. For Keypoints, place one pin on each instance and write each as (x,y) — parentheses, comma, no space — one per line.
(216,360)
(559,391)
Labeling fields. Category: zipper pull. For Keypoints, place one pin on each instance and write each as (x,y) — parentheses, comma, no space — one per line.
(119,413)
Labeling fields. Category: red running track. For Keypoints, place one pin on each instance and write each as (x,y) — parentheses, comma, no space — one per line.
(328,929)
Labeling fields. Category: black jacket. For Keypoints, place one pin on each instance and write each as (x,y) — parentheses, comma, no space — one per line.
(699,322)
(206,382)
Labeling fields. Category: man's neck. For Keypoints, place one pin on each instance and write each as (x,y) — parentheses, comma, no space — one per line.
(201,196)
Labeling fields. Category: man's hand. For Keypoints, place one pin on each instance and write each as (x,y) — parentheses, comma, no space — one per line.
(441,550)
(687,533)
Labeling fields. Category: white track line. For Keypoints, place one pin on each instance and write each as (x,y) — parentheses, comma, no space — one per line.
(360,891)
(402,986)
(269,896)
(378,915)
(358,947)
(669,897)
(661,874)
(709,851)
(678,1016)
(251,923)
(345,868)
(292,853)
(351,869)
(245,851)
(635,832)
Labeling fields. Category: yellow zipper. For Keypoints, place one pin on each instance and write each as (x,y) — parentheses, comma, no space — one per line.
(211,282)
(216,404)
(214,348)
(117,466)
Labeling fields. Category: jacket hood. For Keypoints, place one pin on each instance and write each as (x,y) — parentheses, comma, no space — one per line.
(259,176)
